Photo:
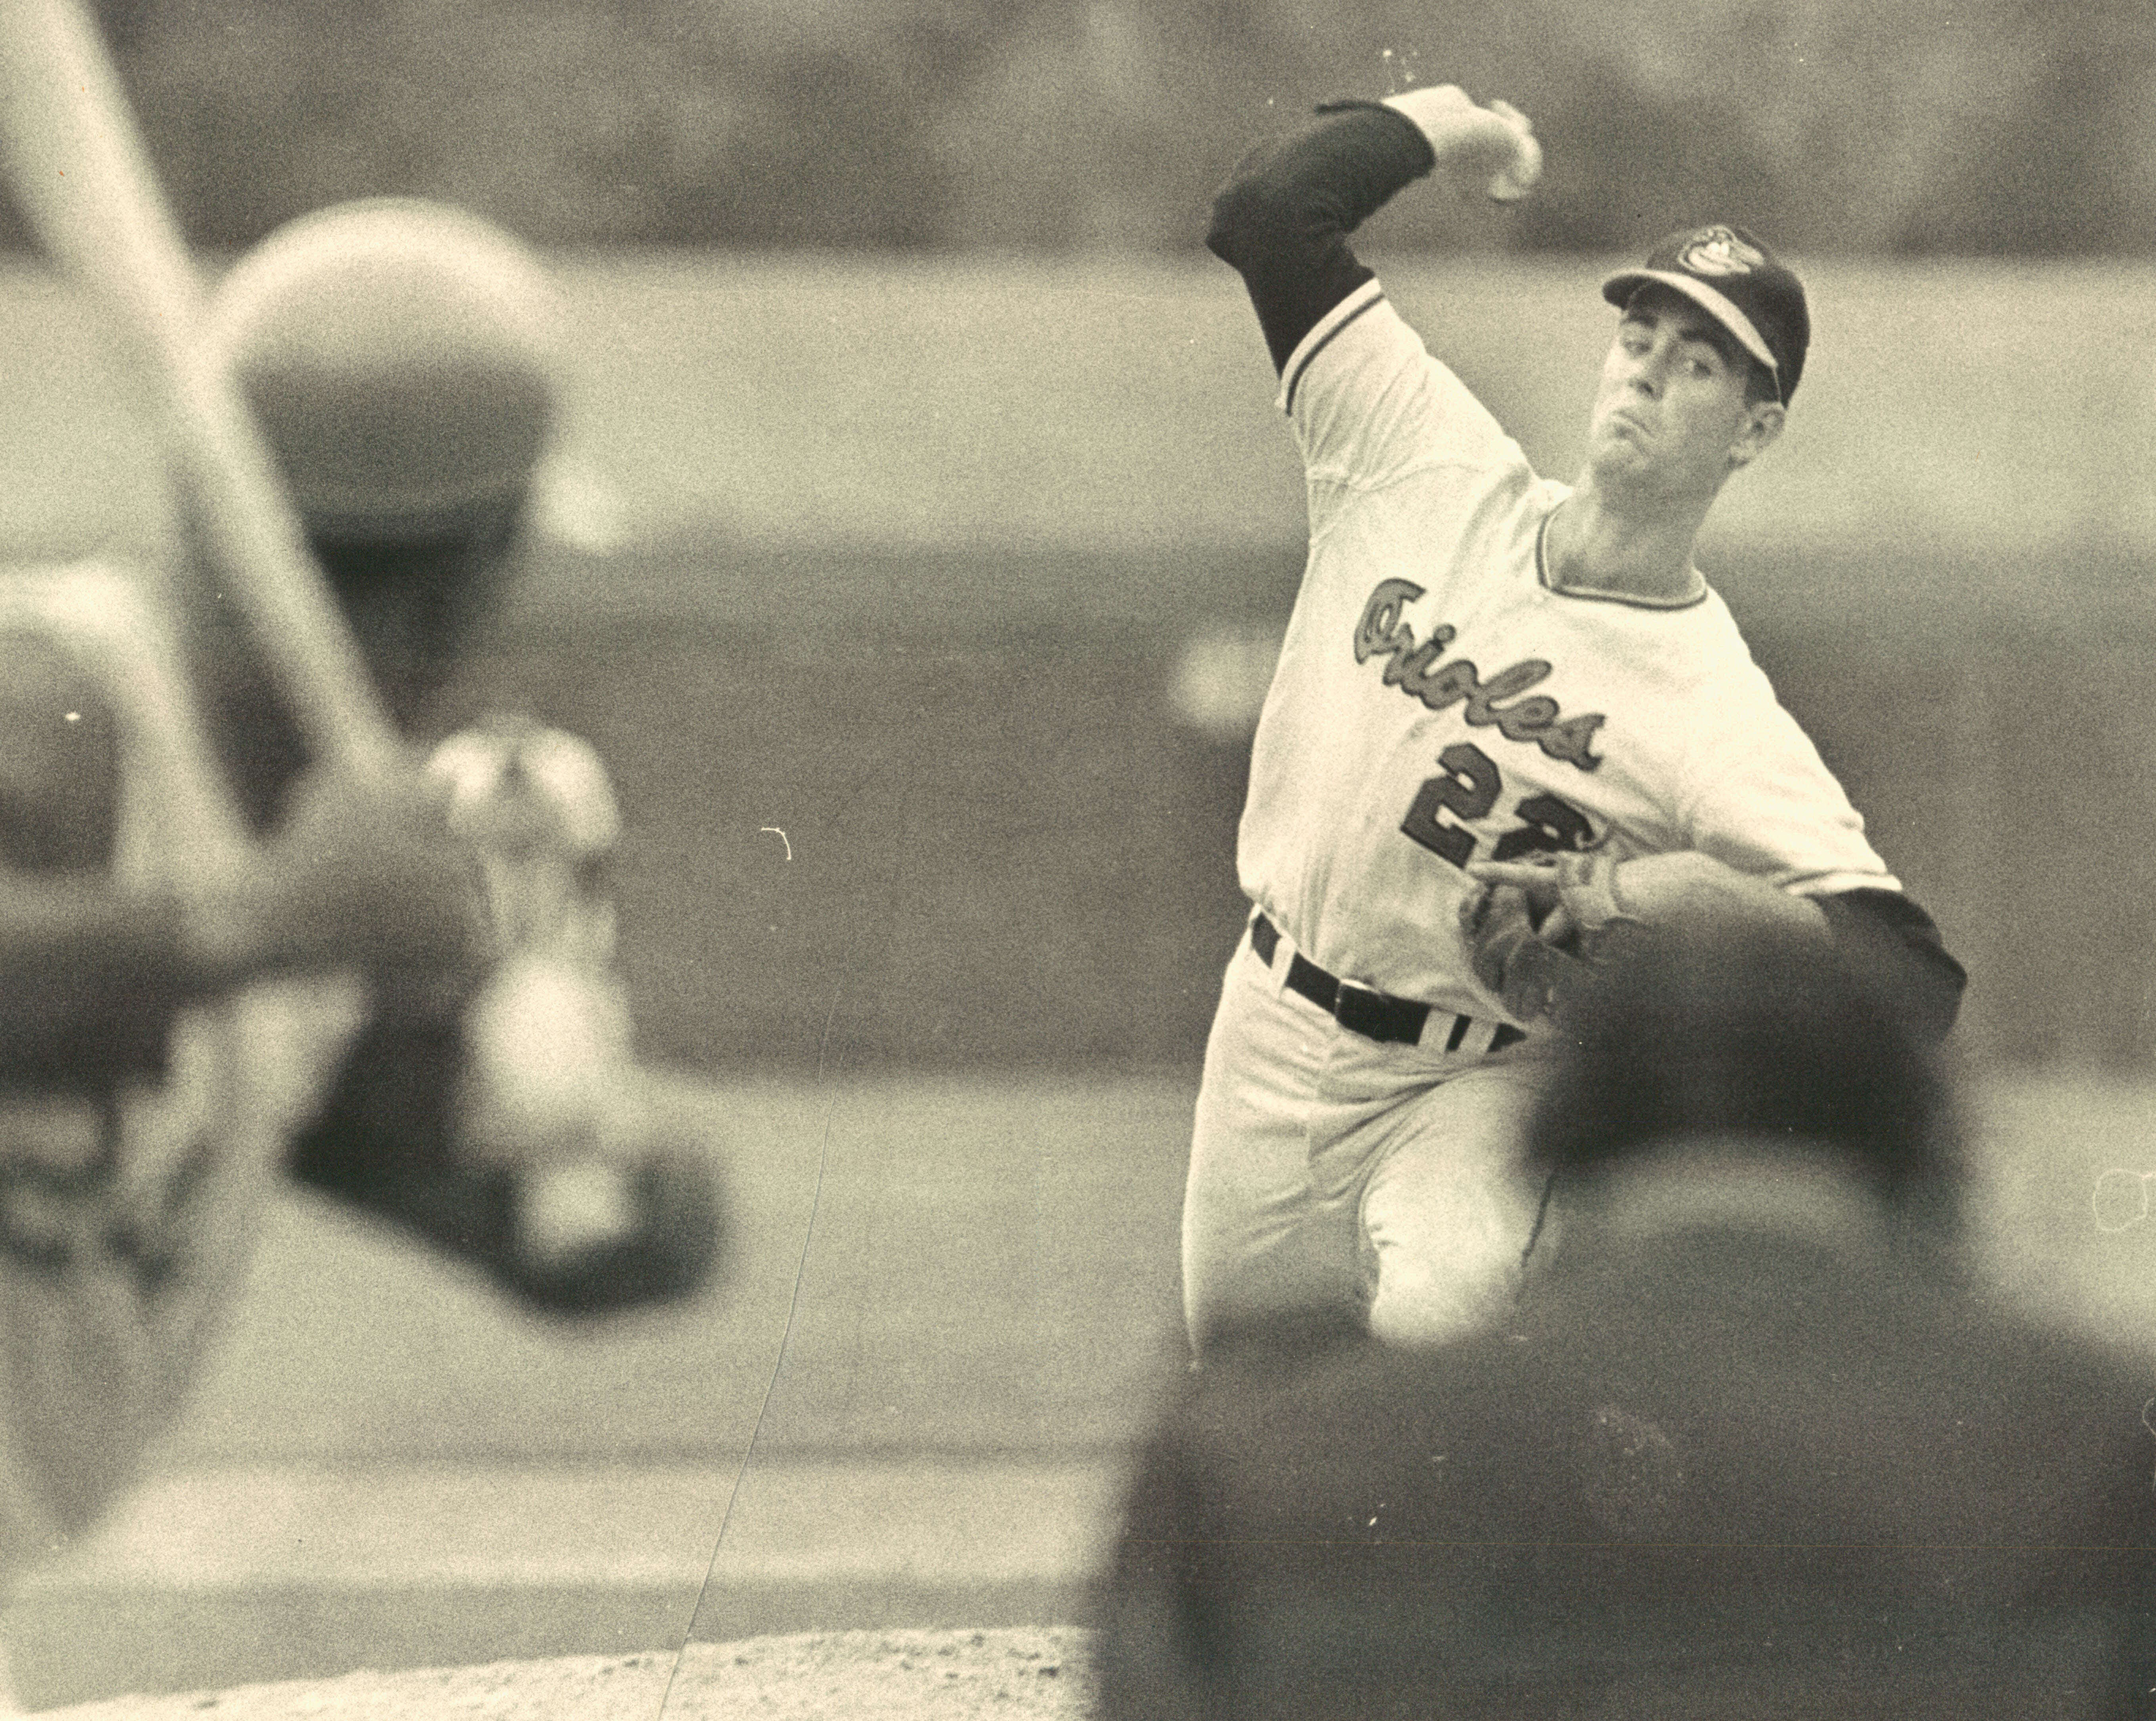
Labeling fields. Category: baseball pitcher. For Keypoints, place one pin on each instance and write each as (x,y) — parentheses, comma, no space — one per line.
(1511,723)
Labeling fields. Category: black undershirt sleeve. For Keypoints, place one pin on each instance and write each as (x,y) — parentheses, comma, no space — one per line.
(1889,937)
(1282,220)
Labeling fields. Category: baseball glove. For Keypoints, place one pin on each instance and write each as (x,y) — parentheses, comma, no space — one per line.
(1537,928)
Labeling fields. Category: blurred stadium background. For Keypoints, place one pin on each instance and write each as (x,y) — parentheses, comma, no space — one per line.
(915,552)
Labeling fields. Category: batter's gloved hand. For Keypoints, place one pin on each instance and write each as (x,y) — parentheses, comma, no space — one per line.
(1535,928)
(512,1126)
(608,1205)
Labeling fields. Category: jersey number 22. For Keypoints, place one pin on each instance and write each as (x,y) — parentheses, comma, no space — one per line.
(1468,787)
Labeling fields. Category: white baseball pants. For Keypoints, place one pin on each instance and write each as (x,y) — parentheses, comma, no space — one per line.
(1333,1171)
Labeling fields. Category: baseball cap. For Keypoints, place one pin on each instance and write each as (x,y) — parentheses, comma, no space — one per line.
(1743,286)
(401,356)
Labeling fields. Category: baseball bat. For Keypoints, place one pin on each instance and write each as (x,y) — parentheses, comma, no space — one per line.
(82,175)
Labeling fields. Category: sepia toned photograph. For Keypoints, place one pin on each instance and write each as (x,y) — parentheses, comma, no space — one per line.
(1194,862)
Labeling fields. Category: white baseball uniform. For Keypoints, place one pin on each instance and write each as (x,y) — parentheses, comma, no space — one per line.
(1436,701)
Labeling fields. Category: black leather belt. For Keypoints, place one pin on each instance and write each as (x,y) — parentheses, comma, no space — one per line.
(1375,1016)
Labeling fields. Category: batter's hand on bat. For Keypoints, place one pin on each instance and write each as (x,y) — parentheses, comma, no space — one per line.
(366,874)
(1494,146)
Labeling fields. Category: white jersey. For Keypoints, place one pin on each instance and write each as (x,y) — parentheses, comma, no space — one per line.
(1436,701)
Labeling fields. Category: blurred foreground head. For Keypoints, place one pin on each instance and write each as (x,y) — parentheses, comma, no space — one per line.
(402,358)
(1758,1039)
(1698,1476)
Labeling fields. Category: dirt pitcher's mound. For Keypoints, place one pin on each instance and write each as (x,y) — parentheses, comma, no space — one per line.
(1031,1673)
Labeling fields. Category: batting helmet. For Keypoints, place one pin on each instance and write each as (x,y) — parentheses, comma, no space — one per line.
(401,356)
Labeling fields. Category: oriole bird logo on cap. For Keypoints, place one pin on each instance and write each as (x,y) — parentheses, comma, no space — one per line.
(1717,251)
